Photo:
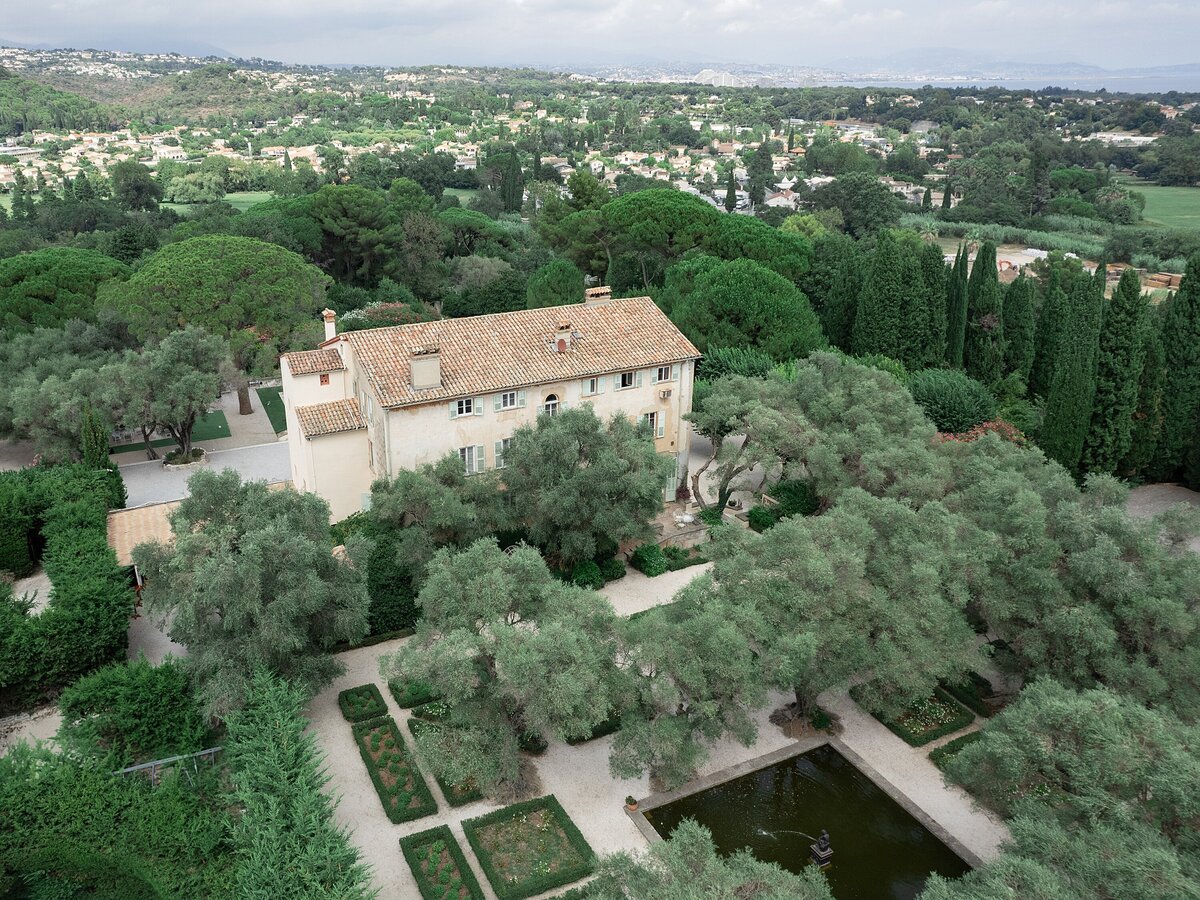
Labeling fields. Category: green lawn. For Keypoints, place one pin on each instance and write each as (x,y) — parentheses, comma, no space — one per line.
(239,200)
(208,428)
(464,195)
(272,402)
(1175,207)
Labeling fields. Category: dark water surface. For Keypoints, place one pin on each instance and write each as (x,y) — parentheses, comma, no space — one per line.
(880,851)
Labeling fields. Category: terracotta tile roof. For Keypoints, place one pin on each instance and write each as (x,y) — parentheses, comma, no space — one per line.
(129,527)
(484,354)
(311,362)
(329,418)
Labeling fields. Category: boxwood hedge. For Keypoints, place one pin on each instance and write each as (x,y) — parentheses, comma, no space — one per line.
(397,799)
(361,703)
(418,848)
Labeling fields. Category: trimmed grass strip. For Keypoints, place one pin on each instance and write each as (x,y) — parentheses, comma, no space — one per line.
(210,427)
(271,399)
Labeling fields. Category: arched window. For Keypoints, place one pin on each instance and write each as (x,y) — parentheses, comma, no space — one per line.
(551,405)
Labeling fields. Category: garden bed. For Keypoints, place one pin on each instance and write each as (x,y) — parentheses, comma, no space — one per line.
(927,720)
(976,694)
(361,703)
(438,865)
(455,794)
(408,692)
(529,848)
(397,780)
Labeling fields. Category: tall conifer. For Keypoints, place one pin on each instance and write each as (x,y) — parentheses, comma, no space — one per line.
(1073,388)
(730,193)
(983,347)
(933,279)
(956,309)
(1146,427)
(877,320)
(1181,391)
(1121,354)
(1019,328)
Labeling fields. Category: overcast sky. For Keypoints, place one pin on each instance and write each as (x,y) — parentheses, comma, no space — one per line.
(1109,33)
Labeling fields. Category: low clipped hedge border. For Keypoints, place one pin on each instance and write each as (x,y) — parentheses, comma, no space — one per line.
(453,797)
(411,844)
(940,755)
(408,692)
(967,692)
(359,710)
(537,884)
(965,718)
(428,805)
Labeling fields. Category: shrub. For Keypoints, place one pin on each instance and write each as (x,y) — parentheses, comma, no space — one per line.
(711,516)
(953,401)
(679,558)
(134,712)
(587,575)
(942,754)
(748,361)
(409,692)
(649,560)
(401,802)
(972,692)
(612,569)
(362,702)
(761,517)
(86,623)
(926,720)
(796,498)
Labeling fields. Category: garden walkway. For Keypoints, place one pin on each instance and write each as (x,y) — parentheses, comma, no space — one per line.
(579,775)
(148,481)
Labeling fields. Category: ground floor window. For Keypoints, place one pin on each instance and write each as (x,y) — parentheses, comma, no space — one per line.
(472,459)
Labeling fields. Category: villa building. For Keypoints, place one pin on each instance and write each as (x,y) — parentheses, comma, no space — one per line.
(367,404)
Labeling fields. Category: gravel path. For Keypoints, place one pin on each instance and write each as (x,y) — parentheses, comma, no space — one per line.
(1151,499)
(635,592)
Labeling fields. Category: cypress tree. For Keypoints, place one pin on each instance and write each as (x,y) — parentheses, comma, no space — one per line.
(82,188)
(877,320)
(1181,359)
(1019,328)
(911,344)
(946,196)
(983,347)
(1073,389)
(927,200)
(956,309)
(791,138)
(22,203)
(287,161)
(1146,426)
(933,280)
(730,193)
(1121,355)
(1050,320)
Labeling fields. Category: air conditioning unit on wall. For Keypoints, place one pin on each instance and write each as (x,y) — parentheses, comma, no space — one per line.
(665,393)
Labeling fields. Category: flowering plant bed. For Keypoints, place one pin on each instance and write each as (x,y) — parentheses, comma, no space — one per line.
(408,692)
(928,719)
(455,794)
(438,865)
(529,848)
(361,703)
(397,780)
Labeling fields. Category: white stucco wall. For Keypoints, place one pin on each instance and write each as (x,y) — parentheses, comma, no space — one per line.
(339,464)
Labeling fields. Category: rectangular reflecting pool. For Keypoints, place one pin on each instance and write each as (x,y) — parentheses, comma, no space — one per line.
(880,849)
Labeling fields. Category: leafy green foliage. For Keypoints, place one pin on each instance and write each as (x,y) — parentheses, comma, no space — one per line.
(286,840)
(410,692)
(48,287)
(749,361)
(73,829)
(130,713)
(249,582)
(940,756)
(649,560)
(983,348)
(926,719)
(1179,444)
(953,401)
(672,870)
(584,482)
(85,624)
(587,575)
(557,283)
(744,304)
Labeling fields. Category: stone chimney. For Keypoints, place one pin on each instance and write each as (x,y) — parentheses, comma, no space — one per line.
(564,337)
(426,365)
(597,296)
(330,318)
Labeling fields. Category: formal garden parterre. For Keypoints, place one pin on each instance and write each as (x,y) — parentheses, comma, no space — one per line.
(439,867)
(397,780)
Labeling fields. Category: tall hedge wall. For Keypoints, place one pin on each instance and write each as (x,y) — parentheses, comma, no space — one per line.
(58,515)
